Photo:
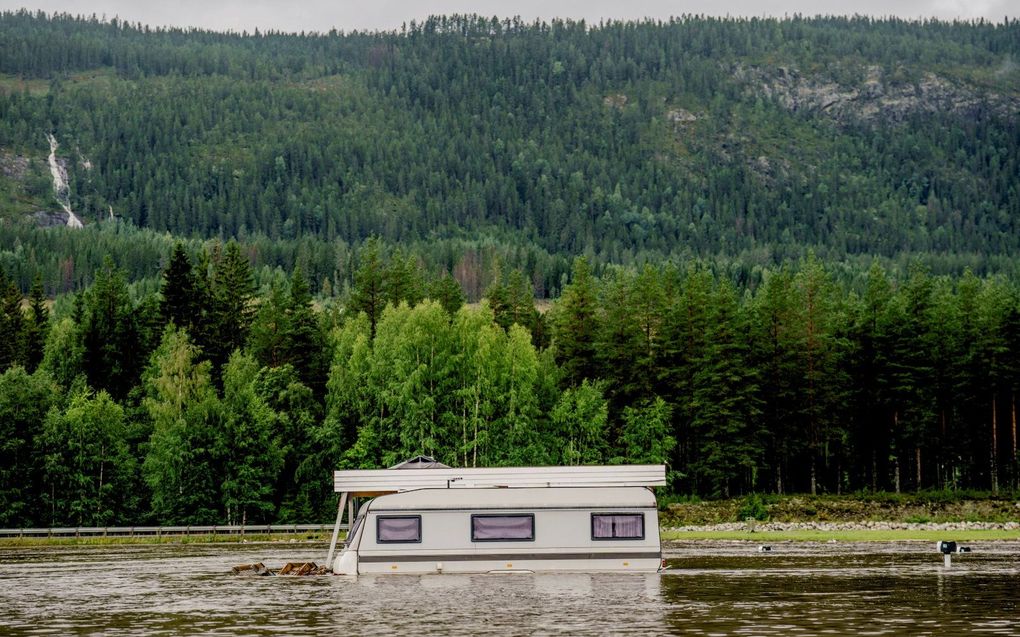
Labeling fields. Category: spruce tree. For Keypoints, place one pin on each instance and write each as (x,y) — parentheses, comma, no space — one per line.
(12,324)
(112,353)
(369,294)
(233,290)
(448,292)
(37,325)
(574,325)
(179,300)
(303,338)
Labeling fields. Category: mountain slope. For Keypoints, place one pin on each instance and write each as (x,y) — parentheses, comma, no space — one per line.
(751,139)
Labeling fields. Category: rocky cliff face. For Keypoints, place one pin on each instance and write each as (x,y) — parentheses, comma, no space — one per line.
(876,98)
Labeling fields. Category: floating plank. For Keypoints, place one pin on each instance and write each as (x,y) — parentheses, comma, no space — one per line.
(380,481)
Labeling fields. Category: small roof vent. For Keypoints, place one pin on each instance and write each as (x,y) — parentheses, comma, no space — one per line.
(420,462)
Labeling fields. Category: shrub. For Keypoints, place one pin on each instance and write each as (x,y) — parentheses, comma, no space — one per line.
(754,508)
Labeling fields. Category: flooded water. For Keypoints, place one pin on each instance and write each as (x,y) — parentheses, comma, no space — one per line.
(710,589)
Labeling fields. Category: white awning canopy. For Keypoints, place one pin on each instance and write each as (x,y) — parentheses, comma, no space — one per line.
(372,482)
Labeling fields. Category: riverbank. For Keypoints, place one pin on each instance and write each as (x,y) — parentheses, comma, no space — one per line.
(864,510)
(248,538)
(825,534)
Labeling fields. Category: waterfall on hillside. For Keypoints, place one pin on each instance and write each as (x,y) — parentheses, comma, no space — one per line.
(60,189)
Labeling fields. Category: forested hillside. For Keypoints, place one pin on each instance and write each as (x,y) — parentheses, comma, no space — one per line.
(781,256)
(747,140)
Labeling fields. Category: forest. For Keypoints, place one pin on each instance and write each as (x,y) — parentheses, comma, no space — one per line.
(465,139)
(210,401)
(777,255)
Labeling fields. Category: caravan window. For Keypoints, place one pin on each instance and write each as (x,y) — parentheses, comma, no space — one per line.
(617,526)
(503,528)
(393,529)
(354,529)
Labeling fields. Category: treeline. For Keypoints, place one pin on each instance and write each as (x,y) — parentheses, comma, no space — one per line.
(66,260)
(626,142)
(212,402)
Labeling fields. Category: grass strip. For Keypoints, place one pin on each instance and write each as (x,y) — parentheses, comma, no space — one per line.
(862,535)
(13,542)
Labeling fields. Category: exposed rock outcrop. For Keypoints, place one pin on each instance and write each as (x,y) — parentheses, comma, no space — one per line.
(876,97)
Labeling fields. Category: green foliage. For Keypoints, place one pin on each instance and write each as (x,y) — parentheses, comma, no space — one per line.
(645,437)
(581,418)
(89,470)
(574,325)
(182,466)
(447,292)
(108,327)
(639,142)
(36,326)
(232,291)
(25,400)
(180,303)
(253,451)
(753,508)
(803,378)
(11,323)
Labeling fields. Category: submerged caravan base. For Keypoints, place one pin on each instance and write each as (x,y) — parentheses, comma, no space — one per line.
(521,519)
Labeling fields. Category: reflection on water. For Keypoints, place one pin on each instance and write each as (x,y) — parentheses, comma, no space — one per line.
(711,589)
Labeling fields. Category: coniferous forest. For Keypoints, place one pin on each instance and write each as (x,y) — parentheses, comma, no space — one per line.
(776,255)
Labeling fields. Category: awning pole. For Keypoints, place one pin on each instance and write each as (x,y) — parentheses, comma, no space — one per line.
(336,530)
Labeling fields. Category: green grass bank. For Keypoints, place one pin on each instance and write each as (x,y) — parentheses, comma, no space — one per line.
(912,508)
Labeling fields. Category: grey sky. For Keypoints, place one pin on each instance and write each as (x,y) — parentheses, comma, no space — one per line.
(322,15)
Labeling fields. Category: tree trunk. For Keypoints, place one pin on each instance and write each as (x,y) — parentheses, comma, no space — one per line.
(896,455)
(814,477)
(1012,413)
(779,478)
(944,457)
(995,447)
(474,451)
(874,470)
(917,455)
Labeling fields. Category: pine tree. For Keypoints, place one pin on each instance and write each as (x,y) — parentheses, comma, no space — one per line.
(303,339)
(12,324)
(112,351)
(369,295)
(37,325)
(447,292)
(179,295)
(725,404)
(402,280)
(268,338)
(774,351)
(233,290)
(574,325)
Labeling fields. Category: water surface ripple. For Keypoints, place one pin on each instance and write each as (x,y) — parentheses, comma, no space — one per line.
(712,588)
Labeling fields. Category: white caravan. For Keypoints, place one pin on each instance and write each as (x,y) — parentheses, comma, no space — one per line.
(524,519)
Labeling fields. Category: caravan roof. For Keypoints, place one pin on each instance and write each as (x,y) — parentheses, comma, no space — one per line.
(522,498)
(374,482)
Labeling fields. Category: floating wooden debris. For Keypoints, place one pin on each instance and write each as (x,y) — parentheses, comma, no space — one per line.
(258,568)
(290,568)
(302,568)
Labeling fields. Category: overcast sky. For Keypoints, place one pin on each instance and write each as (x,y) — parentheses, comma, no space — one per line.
(347,15)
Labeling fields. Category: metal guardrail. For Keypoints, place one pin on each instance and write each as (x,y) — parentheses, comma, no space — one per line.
(159,531)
